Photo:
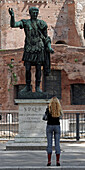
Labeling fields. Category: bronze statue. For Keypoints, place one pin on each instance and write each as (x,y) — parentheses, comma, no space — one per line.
(37,46)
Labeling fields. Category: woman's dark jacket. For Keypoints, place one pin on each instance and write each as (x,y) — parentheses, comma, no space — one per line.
(51,120)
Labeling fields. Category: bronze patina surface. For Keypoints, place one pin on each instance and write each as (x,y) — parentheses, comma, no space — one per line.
(37,48)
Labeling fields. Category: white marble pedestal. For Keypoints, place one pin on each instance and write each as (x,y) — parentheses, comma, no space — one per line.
(32,129)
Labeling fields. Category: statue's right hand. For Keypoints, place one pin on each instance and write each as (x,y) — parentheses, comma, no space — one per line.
(11,12)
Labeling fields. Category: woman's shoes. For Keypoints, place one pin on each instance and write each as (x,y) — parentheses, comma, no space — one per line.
(58,164)
(57,159)
(49,159)
(49,164)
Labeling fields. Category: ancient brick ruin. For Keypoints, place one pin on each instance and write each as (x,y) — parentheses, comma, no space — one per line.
(66,27)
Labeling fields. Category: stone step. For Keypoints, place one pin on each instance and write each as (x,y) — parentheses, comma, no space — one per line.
(24,146)
(42,168)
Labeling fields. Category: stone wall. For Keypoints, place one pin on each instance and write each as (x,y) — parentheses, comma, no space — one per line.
(72,63)
(80,19)
(59,15)
(70,60)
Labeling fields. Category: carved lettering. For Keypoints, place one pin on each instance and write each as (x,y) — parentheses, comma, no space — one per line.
(33,109)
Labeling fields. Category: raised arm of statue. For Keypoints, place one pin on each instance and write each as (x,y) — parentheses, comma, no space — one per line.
(13,24)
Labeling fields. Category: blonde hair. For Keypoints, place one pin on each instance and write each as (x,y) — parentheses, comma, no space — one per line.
(55,107)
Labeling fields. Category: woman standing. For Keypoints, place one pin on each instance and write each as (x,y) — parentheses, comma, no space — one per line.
(54,112)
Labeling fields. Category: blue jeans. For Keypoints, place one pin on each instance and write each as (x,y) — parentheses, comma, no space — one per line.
(50,130)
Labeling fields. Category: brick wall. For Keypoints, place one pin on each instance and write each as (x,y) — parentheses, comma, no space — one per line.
(70,60)
(60,17)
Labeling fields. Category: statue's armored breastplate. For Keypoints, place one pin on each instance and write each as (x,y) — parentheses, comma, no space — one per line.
(33,41)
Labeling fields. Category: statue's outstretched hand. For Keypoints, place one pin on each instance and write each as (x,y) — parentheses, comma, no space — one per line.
(11,12)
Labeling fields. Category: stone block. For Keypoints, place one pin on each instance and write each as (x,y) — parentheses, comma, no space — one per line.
(32,129)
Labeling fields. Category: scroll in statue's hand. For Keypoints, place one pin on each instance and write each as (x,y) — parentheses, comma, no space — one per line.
(51,50)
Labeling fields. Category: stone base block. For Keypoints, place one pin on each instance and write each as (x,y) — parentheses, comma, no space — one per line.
(32,129)
(25,146)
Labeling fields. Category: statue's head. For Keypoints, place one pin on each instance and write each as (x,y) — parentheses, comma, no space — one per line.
(33,11)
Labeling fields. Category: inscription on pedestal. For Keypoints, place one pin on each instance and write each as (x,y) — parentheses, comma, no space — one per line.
(31,113)
(30,120)
(31,108)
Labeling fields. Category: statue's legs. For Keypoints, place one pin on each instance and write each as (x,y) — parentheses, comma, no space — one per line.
(38,77)
(28,76)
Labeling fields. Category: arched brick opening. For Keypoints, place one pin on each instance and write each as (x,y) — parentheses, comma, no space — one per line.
(60,42)
(84,30)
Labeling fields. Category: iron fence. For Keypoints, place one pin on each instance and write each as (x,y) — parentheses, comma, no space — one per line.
(72,125)
(9,124)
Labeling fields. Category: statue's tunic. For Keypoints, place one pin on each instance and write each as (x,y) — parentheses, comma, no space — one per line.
(35,41)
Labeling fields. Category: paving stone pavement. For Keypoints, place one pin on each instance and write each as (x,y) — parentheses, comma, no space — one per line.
(72,157)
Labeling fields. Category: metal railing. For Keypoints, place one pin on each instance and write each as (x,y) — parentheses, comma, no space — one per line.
(9,124)
(72,125)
